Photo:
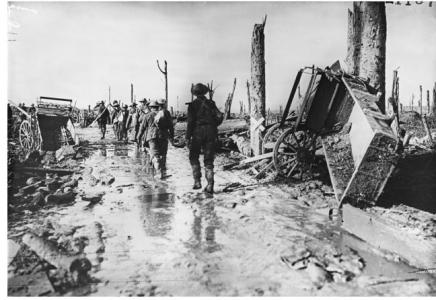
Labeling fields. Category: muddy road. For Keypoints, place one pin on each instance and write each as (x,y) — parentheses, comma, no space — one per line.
(161,238)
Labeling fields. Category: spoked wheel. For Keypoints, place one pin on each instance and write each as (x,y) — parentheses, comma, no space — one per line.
(271,137)
(294,153)
(26,136)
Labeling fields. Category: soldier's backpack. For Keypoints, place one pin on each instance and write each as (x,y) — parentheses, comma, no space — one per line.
(209,111)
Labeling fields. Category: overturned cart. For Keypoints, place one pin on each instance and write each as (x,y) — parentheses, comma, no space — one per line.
(48,126)
(338,115)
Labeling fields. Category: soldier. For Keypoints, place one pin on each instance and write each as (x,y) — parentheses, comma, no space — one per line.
(156,132)
(102,118)
(142,110)
(123,117)
(203,120)
(132,118)
(115,118)
(164,121)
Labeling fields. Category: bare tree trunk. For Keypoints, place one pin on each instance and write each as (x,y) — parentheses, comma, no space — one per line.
(165,72)
(434,99)
(131,93)
(211,89)
(428,102)
(248,96)
(228,104)
(257,99)
(366,44)
(420,100)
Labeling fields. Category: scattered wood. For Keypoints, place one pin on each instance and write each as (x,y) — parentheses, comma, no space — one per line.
(60,198)
(48,170)
(269,166)
(50,252)
(427,130)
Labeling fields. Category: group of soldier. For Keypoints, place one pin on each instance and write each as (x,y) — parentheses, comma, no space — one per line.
(151,125)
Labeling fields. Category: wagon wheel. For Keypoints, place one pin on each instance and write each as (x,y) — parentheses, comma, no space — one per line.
(271,137)
(26,136)
(294,153)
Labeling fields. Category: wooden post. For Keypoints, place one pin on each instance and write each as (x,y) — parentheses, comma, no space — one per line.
(131,93)
(248,96)
(413,98)
(366,44)
(228,104)
(165,72)
(420,100)
(434,99)
(428,102)
(192,94)
(257,97)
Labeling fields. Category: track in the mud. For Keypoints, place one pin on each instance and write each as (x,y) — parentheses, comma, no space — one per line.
(162,238)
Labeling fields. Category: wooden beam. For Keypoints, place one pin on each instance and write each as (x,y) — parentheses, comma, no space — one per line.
(381,234)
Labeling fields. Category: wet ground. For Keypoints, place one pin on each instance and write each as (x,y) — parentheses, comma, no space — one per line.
(162,238)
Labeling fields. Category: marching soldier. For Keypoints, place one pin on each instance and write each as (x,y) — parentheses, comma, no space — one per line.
(103,117)
(142,110)
(115,118)
(124,116)
(132,118)
(164,121)
(203,120)
(156,130)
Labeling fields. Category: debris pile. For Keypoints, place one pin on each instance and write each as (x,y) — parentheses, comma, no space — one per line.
(43,178)
(57,256)
(328,265)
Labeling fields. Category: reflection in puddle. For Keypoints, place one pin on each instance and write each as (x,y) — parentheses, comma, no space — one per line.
(157,213)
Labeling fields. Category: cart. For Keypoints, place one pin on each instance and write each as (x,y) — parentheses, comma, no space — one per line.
(48,126)
(337,117)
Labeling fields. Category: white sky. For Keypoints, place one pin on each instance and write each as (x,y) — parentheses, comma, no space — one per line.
(76,50)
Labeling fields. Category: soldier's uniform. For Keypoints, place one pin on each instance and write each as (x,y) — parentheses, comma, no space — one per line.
(115,119)
(103,114)
(157,128)
(123,123)
(203,120)
(139,118)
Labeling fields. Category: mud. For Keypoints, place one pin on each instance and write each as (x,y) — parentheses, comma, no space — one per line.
(161,238)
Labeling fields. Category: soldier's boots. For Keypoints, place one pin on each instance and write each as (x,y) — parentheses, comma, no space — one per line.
(196,172)
(210,181)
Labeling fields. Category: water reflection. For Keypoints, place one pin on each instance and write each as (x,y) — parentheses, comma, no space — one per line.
(203,228)
(157,213)
(121,150)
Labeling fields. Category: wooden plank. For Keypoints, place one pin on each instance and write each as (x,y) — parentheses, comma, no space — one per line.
(339,161)
(414,250)
(256,158)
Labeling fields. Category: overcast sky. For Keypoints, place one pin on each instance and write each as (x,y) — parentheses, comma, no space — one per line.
(76,50)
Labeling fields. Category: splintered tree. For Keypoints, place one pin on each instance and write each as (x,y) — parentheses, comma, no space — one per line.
(257,93)
(434,99)
(228,104)
(164,71)
(366,44)
(131,93)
